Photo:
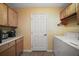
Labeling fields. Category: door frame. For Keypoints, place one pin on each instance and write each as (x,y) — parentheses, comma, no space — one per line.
(47,29)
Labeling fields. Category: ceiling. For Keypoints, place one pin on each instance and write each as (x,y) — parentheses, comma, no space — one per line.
(23,5)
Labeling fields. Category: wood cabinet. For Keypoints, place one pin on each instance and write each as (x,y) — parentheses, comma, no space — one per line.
(12,51)
(71,9)
(78,12)
(15,19)
(67,12)
(76,7)
(19,46)
(12,18)
(12,48)
(8,16)
(63,14)
(8,52)
(3,14)
(8,49)
(3,50)
(5,53)
(64,22)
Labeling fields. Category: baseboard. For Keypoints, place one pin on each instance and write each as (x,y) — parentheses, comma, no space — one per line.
(49,50)
(31,51)
(27,51)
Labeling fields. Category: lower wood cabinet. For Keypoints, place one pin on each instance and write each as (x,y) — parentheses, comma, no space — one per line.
(19,46)
(13,48)
(12,51)
(8,49)
(5,53)
(8,52)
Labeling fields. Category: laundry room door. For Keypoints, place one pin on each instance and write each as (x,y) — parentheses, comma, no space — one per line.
(39,32)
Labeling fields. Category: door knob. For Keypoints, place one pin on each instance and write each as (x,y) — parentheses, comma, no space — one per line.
(45,34)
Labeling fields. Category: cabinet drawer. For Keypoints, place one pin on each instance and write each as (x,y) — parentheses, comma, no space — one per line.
(4,47)
(11,43)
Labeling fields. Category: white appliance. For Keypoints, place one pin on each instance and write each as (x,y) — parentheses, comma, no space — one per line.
(69,35)
(67,45)
(39,32)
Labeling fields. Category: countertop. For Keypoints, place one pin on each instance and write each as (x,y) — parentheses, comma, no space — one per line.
(70,41)
(5,41)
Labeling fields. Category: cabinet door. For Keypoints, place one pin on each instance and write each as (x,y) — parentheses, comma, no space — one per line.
(12,48)
(19,46)
(3,14)
(12,51)
(15,19)
(12,17)
(5,53)
(76,7)
(8,52)
(71,9)
(62,14)
(4,50)
(78,12)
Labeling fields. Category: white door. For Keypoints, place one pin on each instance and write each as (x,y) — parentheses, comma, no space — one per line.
(39,32)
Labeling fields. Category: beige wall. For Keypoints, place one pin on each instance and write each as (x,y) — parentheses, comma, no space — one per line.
(24,26)
(71,27)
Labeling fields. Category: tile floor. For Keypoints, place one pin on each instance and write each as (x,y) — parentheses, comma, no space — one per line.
(38,53)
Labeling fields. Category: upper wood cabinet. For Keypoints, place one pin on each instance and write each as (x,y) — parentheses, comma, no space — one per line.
(8,16)
(12,18)
(16,19)
(67,12)
(62,14)
(76,7)
(78,12)
(71,9)
(3,14)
